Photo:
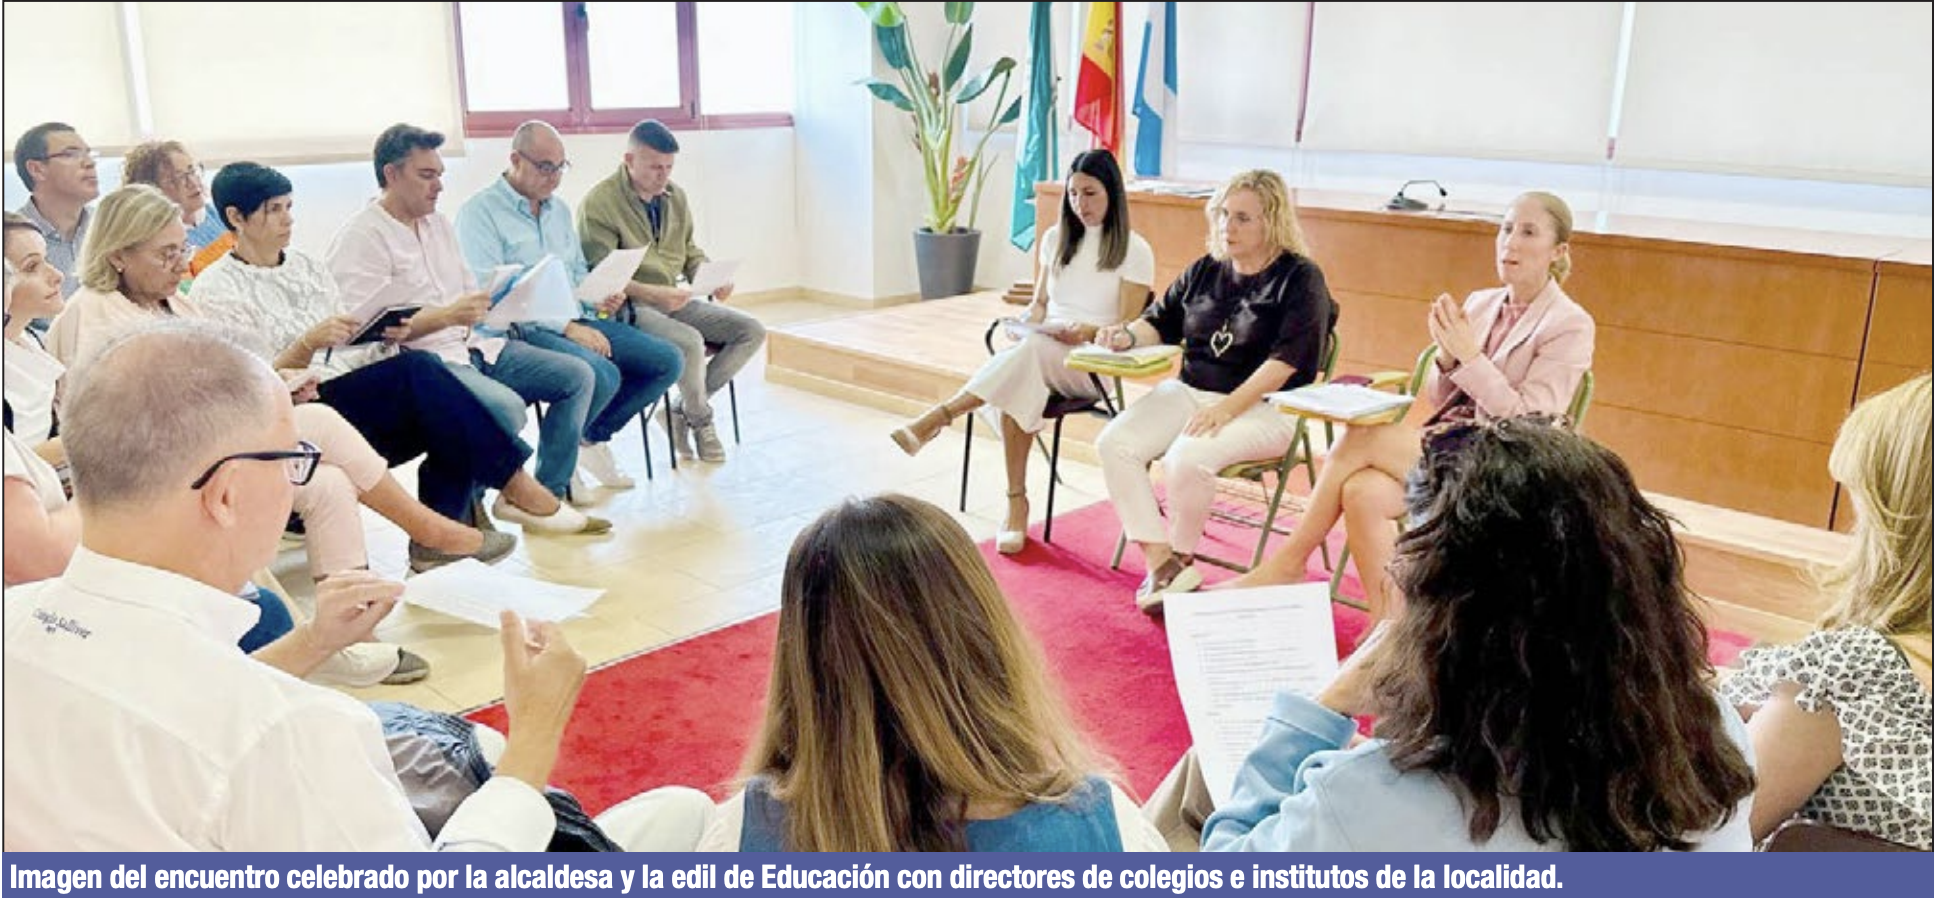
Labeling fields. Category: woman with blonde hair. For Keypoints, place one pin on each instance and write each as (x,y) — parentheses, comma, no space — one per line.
(1252,317)
(1517,349)
(1841,720)
(131,269)
(909,711)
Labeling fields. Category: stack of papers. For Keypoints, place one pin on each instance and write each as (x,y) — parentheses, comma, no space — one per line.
(1233,651)
(475,592)
(538,292)
(1134,358)
(1340,402)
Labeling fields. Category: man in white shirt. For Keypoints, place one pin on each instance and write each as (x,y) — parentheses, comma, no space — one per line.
(401,246)
(132,721)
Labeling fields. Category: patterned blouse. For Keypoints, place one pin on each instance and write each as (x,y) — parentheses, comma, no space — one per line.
(1884,784)
(276,305)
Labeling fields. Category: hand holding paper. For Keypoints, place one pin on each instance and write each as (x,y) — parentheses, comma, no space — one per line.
(611,276)
(539,292)
(713,275)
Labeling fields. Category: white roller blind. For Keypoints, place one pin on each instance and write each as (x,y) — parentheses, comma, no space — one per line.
(1836,91)
(64,64)
(298,80)
(1503,80)
(1240,71)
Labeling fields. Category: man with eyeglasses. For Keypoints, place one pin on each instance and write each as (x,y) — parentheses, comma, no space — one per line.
(58,168)
(185,457)
(518,220)
(168,166)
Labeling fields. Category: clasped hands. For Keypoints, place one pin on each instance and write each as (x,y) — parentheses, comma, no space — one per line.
(1452,330)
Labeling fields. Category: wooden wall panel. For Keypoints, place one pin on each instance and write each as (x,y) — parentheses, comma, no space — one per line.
(1804,304)
(1756,473)
(1722,383)
(1399,257)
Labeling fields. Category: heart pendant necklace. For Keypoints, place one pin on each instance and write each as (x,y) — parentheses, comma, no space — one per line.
(1221,340)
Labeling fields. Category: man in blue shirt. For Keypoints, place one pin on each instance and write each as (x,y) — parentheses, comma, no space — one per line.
(519,220)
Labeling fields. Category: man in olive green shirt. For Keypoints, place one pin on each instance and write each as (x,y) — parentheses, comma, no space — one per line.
(639,206)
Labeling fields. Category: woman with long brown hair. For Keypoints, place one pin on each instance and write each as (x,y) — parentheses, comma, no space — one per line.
(1545,686)
(909,711)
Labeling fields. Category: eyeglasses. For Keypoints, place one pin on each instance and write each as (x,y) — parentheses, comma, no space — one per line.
(547,169)
(171,257)
(298,464)
(196,172)
(74,154)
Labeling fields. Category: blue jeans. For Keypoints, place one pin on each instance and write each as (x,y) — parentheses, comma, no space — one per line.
(273,623)
(537,375)
(642,367)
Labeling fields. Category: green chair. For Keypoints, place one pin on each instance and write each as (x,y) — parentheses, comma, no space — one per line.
(1257,471)
(1575,416)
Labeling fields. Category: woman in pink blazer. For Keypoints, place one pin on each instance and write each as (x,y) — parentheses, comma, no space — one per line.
(1507,351)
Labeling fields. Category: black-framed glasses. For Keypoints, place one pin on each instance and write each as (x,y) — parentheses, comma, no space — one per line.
(547,169)
(298,464)
(74,154)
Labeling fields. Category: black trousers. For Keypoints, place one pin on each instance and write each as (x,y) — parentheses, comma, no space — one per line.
(411,405)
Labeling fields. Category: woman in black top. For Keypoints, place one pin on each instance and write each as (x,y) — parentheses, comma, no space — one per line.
(1251,317)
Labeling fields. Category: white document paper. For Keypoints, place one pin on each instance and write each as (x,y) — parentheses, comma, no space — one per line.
(1233,651)
(1339,401)
(612,274)
(476,592)
(540,292)
(713,274)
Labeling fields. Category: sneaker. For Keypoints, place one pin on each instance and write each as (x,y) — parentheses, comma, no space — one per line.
(410,669)
(359,665)
(565,521)
(577,488)
(497,545)
(707,439)
(681,434)
(1178,574)
(596,460)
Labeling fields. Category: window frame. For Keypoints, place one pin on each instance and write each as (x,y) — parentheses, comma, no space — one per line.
(580,117)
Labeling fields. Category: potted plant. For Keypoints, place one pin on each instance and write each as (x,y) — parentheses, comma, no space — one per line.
(946,246)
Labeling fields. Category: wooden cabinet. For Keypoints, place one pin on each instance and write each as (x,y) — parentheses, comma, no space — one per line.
(1725,359)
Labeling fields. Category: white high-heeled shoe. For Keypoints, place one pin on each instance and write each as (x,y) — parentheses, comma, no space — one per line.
(1009,543)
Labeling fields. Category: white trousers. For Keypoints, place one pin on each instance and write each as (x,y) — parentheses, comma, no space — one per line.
(1153,427)
(1019,379)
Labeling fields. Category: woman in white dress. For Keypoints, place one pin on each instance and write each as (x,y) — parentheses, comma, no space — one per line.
(1086,281)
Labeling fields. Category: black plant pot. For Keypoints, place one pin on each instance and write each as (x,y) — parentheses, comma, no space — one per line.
(946,261)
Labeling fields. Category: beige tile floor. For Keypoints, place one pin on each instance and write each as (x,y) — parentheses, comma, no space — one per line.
(702,547)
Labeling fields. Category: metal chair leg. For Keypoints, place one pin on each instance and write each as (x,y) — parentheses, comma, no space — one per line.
(1122,541)
(967,451)
(672,443)
(1055,458)
(732,402)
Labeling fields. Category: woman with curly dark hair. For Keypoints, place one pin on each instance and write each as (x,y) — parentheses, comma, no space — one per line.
(1545,688)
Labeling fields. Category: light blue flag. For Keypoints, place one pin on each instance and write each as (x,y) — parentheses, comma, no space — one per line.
(1156,97)
(1035,150)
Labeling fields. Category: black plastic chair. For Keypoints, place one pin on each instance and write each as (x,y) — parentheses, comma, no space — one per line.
(1058,408)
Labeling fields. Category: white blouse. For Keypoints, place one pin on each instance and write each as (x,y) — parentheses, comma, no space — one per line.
(1083,291)
(32,377)
(277,305)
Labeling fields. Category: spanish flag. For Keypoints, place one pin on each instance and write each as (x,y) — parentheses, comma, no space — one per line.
(1099,98)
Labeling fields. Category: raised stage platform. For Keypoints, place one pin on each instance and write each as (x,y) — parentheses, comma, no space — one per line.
(1754,570)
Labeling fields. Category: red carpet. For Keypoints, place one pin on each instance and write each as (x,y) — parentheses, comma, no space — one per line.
(685,714)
